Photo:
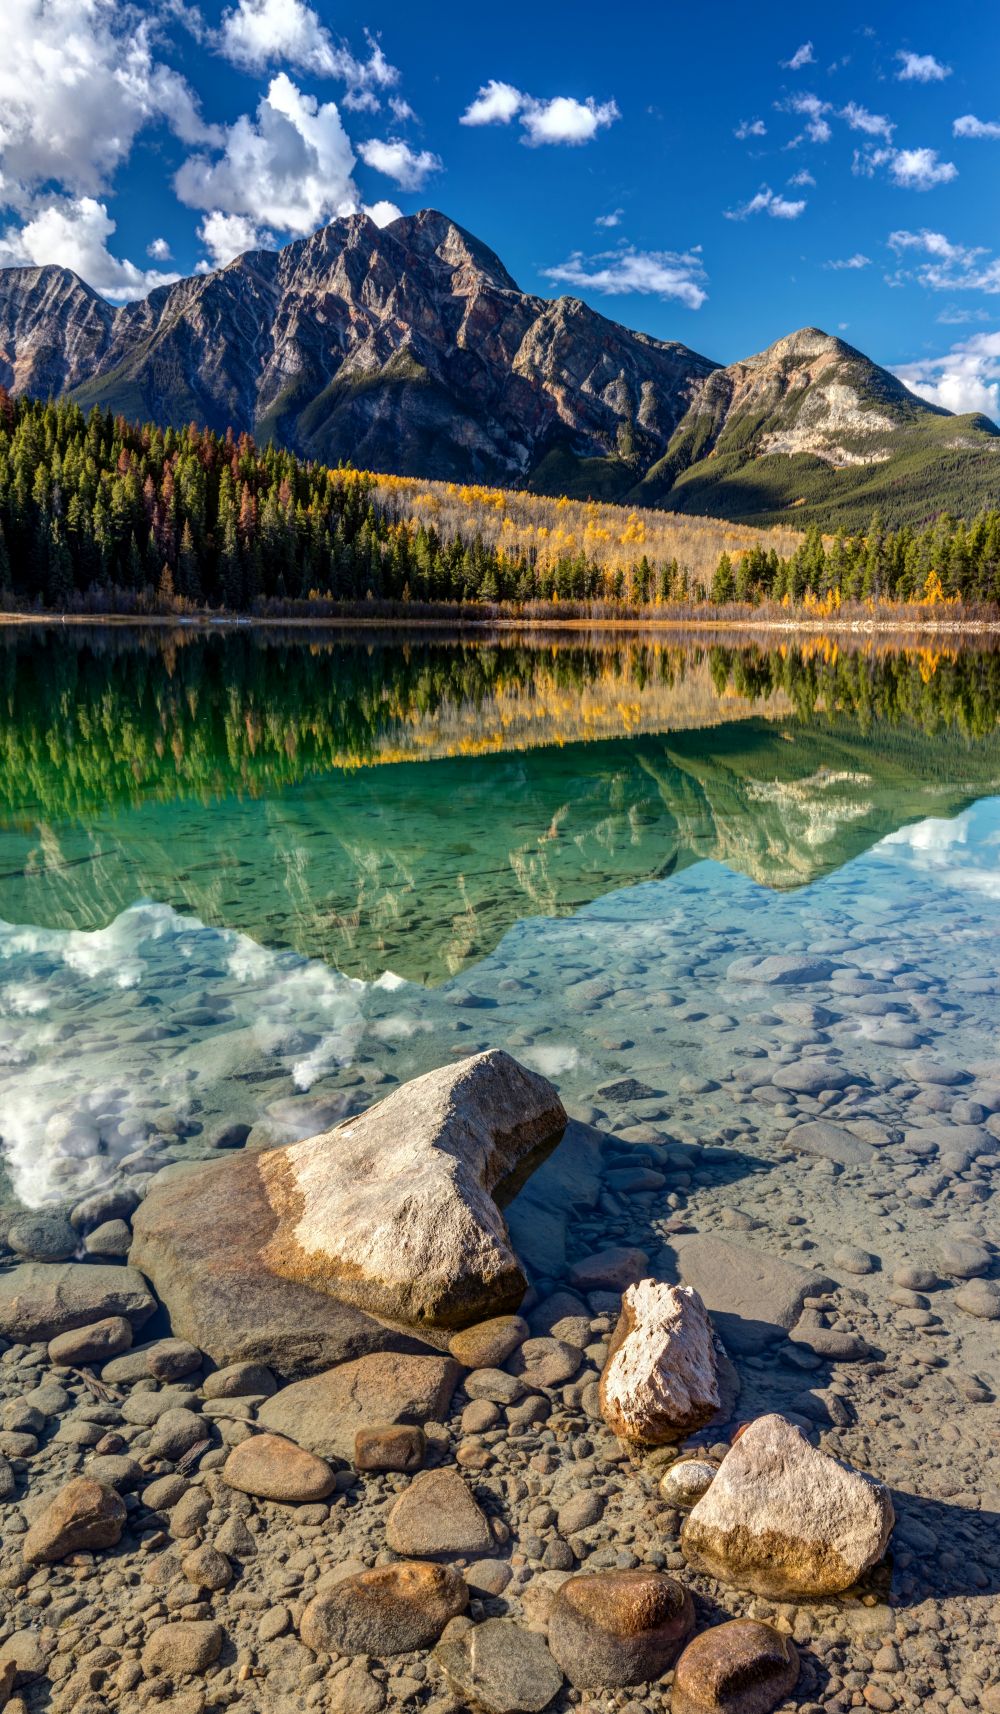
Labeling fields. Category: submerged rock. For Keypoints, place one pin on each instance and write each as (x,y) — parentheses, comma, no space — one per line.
(324,1413)
(40,1300)
(501,1667)
(288,1256)
(659,1382)
(82,1516)
(783,1519)
(753,1298)
(743,1667)
(610,1628)
(389,1610)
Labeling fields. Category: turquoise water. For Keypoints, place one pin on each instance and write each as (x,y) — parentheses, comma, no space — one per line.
(257,879)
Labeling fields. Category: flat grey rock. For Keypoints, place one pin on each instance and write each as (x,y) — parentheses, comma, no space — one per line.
(832,1142)
(324,1414)
(753,1298)
(780,970)
(40,1300)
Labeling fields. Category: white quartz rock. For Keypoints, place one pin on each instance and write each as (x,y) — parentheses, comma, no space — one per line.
(660,1380)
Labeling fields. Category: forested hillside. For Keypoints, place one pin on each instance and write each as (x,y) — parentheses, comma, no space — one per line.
(102,515)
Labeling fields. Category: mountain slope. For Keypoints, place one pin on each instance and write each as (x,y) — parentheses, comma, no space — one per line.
(410,349)
(813,426)
(407,348)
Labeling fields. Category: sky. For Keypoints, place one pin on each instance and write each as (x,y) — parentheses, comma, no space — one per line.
(718,175)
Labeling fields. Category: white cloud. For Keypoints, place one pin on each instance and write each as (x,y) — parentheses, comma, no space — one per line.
(801,179)
(383,212)
(767,201)
(911,169)
(612,219)
(256,34)
(289,167)
(853,263)
(159,250)
(967,378)
(802,56)
(955,317)
(656,273)
(563,119)
(970,126)
(943,266)
(496,104)
(813,110)
(920,68)
(400,109)
(750,128)
(78,81)
(409,168)
(874,124)
(228,235)
(73,233)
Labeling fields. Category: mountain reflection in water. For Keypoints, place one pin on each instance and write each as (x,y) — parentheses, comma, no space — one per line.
(398,805)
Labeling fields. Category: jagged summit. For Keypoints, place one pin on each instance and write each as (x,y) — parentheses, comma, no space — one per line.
(410,348)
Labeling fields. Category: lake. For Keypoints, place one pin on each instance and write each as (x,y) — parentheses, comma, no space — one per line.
(738,898)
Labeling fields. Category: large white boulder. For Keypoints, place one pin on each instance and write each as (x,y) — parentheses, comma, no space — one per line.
(297,1256)
(660,1380)
(784,1520)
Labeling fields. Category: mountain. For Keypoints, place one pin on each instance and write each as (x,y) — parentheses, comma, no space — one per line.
(410,349)
(814,426)
(407,348)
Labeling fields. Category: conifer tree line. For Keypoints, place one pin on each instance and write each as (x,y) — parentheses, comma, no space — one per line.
(103,515)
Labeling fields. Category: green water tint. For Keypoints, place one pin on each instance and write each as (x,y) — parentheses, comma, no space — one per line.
(270,784)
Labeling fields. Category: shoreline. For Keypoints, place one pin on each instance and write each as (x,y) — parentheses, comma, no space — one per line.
(342,622)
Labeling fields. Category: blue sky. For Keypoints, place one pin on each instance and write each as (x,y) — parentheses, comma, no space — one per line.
(718,175)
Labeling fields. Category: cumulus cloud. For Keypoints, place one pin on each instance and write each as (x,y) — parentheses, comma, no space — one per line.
(943,266)
(159,249)
(801,179)
(288,167)
(750,128)
(226,236)
(79,79)
(73,233)
(652,273)
(409,168)
(967,378)
(802,56)
(920,68)
(256,34)
(874,124)
(562,119)
(383,212)
(612,219)
(911,169)
(853,263)
(767,201)
(813,110)
(970,126)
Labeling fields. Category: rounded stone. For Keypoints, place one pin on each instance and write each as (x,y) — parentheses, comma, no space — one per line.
(240,1380)
(686,1481)
(111,1238)
(488,1343)
(612,1628)
(963,1259)
(94,1344)
(272,1468)
(82,1516)
(501,1667)
(851,1260)
(743,1667)
(980,1298)
(389,1610)
(912,1277)
(390,1446)
(437,1514)
(42,1236)
(191,1645)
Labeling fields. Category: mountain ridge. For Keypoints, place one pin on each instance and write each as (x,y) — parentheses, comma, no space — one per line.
(410,348)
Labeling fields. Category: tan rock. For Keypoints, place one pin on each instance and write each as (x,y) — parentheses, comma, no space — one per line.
(94,1344)
(390,1214)
(390,1446)
(190,1645)
(83,1515)
(660,1381)
(389,1610)
(488,1343)
(783,1519)
(273,1468)
(609,1628)
(437,1514)
(743,1667)
(325,1413)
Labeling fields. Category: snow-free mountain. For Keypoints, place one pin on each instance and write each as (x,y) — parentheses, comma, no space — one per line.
(410,348)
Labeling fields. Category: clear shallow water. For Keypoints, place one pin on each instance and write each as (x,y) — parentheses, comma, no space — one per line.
(229,890)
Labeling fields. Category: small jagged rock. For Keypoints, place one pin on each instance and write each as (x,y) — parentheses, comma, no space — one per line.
(82,1516)
(660,1379)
